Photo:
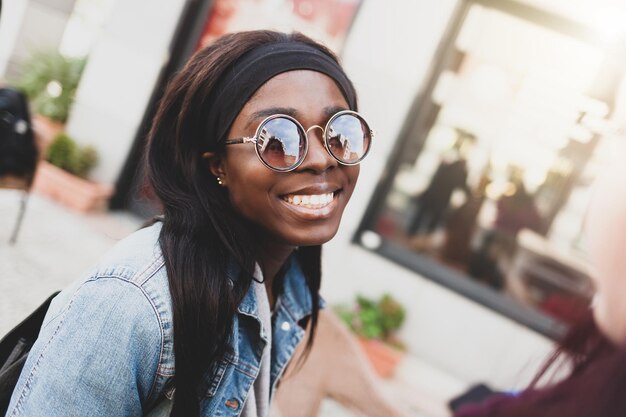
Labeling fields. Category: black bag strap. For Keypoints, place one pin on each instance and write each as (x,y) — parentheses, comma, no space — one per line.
(27,330)
(14,349)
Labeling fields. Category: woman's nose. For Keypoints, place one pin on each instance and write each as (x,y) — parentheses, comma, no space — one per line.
(317,158)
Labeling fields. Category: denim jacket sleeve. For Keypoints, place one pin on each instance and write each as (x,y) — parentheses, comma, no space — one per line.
(97,356)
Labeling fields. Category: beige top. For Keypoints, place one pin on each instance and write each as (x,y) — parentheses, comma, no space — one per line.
(258,402)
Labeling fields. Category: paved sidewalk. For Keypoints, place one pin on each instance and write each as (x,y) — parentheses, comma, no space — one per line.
(54,247)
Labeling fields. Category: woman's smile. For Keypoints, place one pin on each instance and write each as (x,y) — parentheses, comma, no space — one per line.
(312,206)
(313,201)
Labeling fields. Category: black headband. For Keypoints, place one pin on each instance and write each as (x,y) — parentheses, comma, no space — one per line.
(235,87)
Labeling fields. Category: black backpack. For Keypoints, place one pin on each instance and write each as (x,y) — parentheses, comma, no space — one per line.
(18,152)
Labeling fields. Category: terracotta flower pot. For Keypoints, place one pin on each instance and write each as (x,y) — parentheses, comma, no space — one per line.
(45,130)
(383,357)
(72,191)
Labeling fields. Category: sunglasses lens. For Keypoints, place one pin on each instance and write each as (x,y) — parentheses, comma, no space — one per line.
(281,143)
(349,138)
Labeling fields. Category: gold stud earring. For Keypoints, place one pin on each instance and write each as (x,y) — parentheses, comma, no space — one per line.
(219,181)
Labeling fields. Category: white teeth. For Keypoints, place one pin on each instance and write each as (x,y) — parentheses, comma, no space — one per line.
(315,200)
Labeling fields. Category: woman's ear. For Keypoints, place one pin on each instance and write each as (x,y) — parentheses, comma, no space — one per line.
(215,162)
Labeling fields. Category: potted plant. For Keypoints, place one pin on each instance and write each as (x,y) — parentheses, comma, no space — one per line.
(62,176)
(376,322)
(50,80)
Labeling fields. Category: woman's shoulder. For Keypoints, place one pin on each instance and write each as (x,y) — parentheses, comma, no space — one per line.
(135,258)
(133,271)
(127,291)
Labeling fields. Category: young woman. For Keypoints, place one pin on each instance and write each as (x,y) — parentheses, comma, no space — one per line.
(595,349)
(254,155)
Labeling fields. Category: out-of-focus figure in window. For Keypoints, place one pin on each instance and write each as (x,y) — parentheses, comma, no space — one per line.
(432,205)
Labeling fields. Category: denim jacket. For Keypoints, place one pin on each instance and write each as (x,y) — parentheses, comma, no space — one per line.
(106,346)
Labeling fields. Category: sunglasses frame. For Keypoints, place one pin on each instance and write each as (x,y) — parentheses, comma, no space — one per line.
(325,137)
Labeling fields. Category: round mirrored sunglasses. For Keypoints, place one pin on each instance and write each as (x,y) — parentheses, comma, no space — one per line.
(282,143)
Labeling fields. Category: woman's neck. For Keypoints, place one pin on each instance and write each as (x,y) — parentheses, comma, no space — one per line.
(271,258)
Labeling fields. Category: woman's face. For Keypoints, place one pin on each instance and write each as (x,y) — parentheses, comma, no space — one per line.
(606,232)
(262,195)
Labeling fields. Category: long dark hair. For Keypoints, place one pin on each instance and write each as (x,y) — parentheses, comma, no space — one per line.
(201,231)
(594,385)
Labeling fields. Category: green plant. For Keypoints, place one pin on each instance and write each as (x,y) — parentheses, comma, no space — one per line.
(375,319)
(50,80)
(65,153)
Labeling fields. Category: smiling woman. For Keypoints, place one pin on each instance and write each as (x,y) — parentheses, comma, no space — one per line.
(206,305)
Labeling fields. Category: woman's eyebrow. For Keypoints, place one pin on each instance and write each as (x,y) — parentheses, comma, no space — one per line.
(262,114)
(332,110)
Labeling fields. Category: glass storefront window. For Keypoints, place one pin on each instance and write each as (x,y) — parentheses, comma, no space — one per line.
(488,187)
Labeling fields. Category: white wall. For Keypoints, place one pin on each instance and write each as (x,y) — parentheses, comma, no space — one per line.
(10,23)
(387,55)
(27,26)
(119,78)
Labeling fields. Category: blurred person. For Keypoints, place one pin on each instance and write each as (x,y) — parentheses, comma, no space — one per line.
(461,227)
(595,348)
(18,151)
(451,175)
(517,211)
(207,304)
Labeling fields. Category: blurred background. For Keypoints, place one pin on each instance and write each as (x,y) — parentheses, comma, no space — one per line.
(492,118)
